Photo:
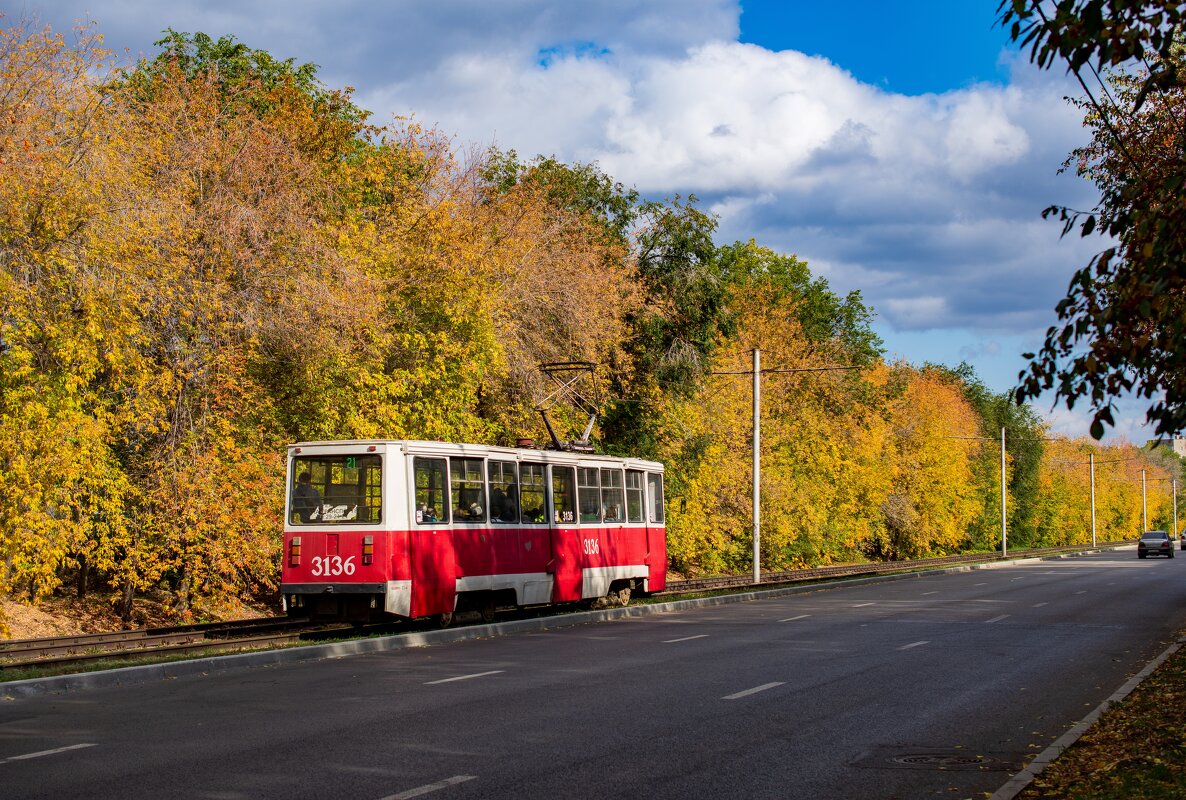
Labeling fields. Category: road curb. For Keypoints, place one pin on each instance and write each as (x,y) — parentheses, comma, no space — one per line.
(1023,779)
(128,676)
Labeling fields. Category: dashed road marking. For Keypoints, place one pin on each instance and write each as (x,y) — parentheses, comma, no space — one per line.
(924,594)
(41,753)
(913,644)
(754,690)
(1038,605)
(792,619)
(686,638)
(430,787)
(995,619)
(1082,592)
(862,605)
(466,677)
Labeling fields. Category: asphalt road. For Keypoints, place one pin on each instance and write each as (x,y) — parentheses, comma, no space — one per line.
(934,687)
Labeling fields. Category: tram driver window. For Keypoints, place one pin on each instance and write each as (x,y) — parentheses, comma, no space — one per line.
(336,490)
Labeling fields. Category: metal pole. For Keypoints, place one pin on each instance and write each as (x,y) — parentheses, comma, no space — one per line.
(1144,510)
(757,464)
(1004,531)
(1175,507)
(1092,455)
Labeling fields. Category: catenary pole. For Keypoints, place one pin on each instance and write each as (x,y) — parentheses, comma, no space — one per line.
(1004,531)
(757,470)
(1144,508)
(1092,456)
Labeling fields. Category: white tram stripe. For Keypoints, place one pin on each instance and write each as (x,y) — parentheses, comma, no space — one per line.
(41,753)
(995,619)
(915,644)
(792,619)
(754,690)
(685,639)
(466,677)
(430,787)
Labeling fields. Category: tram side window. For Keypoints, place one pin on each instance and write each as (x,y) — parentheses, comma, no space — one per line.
(432,500)
(611,495)
(655,495)
(469,489)
(336,489)
(634,495)
(589,494)
(504,491)
(531,493)
(564,501)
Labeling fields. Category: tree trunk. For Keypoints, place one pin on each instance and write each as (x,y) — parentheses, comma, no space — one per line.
(83,573)
(124,606)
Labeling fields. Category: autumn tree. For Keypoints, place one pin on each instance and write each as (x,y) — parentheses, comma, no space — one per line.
(1122,322)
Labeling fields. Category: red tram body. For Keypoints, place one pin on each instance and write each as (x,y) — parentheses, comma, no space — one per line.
(418,529)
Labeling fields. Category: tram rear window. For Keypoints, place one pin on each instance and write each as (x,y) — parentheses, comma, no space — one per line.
(336,490)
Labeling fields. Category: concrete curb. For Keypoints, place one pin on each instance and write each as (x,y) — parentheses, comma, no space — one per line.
(129,676)
(1022,779)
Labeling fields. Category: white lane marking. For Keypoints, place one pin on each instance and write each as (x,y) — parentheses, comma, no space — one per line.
(466,677)
(1038,605)
(862,605)
(995,619)
(41,753)
(430,787)
(981,584)
(754,690)
(915,644)
(1082,592)
(792,619)
(924,594)
(686,639)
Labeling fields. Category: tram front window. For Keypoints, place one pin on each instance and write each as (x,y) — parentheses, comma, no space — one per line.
(336,490)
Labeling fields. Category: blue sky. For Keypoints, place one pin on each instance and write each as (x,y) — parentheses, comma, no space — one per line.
(900,148)
(906,46)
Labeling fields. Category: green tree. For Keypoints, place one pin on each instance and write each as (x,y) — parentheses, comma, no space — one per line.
(1123,320)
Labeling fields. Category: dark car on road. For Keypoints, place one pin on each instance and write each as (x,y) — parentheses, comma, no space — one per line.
(1155,543)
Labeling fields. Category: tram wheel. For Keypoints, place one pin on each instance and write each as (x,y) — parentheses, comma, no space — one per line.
(446,619)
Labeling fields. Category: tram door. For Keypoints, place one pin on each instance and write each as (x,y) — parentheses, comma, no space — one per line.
(566,557)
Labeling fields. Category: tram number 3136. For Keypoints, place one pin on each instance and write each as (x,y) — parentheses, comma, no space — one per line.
(592,546)
(332,565)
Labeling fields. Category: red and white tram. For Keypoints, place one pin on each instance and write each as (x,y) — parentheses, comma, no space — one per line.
(418,529)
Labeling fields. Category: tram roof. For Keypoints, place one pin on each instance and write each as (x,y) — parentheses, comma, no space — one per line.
(473,450)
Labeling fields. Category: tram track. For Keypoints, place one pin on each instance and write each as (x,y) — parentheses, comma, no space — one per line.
(63,652)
